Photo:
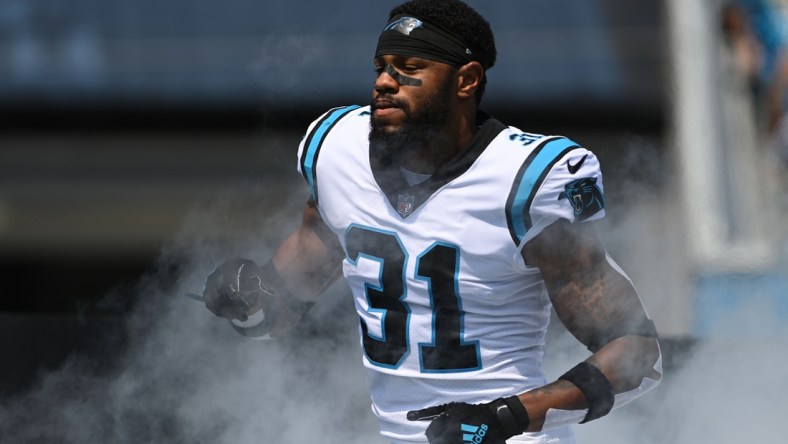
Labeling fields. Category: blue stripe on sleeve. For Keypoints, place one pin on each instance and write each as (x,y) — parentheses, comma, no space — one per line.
(317,140)
(544,160)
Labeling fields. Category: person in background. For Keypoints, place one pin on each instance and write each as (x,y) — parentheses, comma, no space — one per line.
(753,29)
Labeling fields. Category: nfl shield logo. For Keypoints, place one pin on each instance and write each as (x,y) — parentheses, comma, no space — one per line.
(405,204)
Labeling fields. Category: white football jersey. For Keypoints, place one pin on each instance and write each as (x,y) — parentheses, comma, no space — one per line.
(449,310)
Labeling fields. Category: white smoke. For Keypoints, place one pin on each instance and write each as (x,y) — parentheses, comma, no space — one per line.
(186,376)
(725,391)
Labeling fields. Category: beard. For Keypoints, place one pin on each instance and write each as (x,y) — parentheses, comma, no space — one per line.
(416,131)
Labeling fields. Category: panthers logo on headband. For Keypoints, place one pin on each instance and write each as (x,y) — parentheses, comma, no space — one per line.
(405,25)
(585,196)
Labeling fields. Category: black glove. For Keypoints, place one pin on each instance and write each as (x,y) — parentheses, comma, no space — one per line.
(459,422)
(234,287)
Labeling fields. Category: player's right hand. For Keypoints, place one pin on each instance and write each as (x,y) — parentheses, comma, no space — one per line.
(234,290)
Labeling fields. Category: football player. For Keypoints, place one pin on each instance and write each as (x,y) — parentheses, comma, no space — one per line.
(458,235)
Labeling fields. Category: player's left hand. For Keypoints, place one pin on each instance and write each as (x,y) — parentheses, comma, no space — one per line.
(459,422)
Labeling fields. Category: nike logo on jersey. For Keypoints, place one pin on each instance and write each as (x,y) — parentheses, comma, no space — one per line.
(573,168)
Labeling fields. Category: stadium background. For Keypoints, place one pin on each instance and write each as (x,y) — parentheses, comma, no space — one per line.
(141,142)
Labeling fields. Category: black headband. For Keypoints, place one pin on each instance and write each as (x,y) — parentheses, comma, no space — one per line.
(410,36)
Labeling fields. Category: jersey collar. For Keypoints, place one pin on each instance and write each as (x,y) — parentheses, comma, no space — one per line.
(405,198)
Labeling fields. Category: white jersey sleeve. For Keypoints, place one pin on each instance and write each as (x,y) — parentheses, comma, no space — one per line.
(560,180)
(309,148)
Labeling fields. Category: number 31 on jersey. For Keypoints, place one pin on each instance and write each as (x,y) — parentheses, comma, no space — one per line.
(438,266)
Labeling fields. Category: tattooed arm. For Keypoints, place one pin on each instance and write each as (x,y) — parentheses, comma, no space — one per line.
(599,306)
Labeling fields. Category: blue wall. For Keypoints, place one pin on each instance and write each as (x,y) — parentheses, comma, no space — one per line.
(742,305)
(594,53)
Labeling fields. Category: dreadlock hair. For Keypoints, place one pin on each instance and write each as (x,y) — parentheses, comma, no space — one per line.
(461,20)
